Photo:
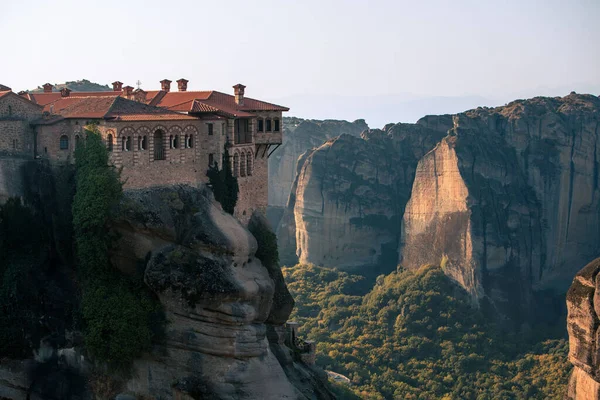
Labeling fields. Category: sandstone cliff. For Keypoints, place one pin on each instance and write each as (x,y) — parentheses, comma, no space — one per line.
(226,310)
(349,194)
(583,324)
(299,136)
(508,202)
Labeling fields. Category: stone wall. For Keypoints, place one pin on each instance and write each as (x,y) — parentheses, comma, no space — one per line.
(16,134)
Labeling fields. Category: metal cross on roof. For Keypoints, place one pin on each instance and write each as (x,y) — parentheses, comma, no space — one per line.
(138,83)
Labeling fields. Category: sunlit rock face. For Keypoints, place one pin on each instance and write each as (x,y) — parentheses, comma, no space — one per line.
(583,325)
(509,200)
(218,299)
(348,198)
(299,136)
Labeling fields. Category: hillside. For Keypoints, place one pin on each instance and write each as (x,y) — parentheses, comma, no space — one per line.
(415,335)
(82,85)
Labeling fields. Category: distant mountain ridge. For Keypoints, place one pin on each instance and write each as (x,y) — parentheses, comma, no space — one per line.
(82,85)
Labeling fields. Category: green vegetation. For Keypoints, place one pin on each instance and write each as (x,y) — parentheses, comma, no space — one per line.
(118,312)
(82,85)
(224,185)
(414,335)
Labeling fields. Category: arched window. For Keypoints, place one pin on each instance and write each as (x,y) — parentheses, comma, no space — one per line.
(276,127)
(268,124)
(128,144)
(211,159)
(243,164)
(159,145)
(123,140)
(249,164)
(171,141)
(261,125)
(109,142)
(190,141)
(236,164)
(64,142)
(145,142)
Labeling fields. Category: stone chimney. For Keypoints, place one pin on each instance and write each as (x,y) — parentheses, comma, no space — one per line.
(47,87)
(64,92)
(117,86)
(165,85)
(238,91)
(182,84)
(128,92)
(139,95)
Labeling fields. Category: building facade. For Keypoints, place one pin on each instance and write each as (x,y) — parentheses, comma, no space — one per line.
(159,137)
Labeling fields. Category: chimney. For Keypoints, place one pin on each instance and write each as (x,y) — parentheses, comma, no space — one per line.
(165,85)
(139,95)
(128,91)
(64,92)
(238,90)
(47,88)
(182,84)
(117,86)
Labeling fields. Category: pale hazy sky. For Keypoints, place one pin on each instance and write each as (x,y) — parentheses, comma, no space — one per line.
(285,49)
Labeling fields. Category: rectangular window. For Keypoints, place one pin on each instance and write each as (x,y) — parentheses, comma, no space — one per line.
(210,129)
(261,124)
(268,123)
(211,159)
(276,125)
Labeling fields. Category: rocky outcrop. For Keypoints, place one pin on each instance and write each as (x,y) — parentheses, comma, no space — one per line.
(299,136)
(349,195)
(583,324)
(509,201)
(218,299)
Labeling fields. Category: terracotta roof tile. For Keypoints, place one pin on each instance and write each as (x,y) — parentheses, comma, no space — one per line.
(46,98)
(110,107)
(198,102)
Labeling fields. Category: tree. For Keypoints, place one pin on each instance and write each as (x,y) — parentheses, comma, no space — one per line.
(224,185)
(117,310)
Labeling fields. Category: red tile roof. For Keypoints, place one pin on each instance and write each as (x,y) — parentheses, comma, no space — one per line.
(5,92)
(110,107)
(47,98)
(194,102)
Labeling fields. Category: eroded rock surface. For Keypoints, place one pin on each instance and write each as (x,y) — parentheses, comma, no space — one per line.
(348,198)
(301,135)
(509,201)
(218,299)
(583,325)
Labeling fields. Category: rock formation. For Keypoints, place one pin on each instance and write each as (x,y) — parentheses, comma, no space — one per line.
(301,135)
(349,195)
(218,299)
(509,201)
(226,310)
(583,324)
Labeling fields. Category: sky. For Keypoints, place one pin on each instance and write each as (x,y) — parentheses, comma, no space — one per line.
(381,60)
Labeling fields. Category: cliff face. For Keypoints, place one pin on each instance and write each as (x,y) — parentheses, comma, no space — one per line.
(348,198)
(509,200)
(226,313)
(299,136)
(583,324)
(223,334)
